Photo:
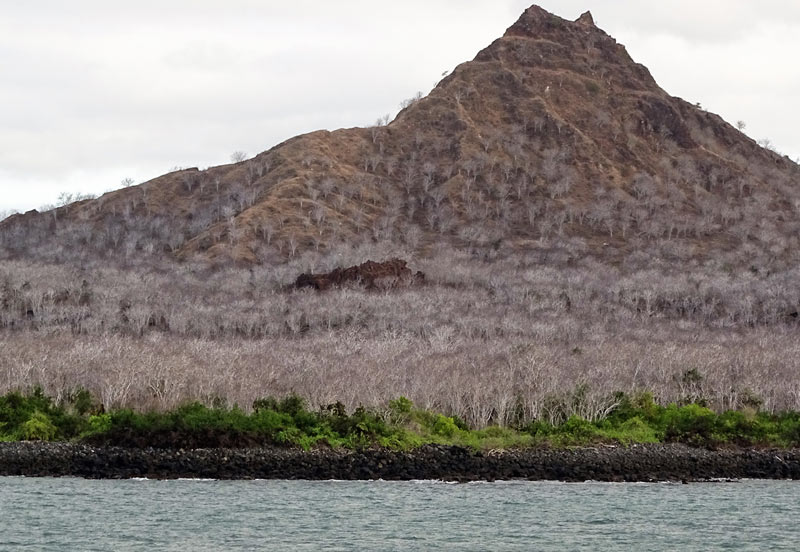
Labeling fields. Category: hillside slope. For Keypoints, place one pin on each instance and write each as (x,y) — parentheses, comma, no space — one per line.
(552,138)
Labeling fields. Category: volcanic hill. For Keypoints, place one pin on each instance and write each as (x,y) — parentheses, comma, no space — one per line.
(581,233)
(552,137)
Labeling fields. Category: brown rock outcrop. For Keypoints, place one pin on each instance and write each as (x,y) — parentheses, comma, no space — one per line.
(371,274)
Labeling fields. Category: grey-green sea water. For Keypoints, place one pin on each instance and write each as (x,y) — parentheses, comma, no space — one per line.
(191,515)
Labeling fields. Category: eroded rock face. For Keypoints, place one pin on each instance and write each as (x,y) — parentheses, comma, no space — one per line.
(371,274)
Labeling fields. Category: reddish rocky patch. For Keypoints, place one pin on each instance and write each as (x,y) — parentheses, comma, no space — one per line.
(372,275)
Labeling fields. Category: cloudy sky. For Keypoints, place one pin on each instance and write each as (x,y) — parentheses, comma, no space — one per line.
(94,91)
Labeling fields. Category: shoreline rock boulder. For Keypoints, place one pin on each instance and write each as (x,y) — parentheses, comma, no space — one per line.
(653,462)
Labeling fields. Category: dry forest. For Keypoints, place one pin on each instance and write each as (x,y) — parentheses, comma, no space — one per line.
(580,231)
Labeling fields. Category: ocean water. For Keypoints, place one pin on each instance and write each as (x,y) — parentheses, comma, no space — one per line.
(192,515)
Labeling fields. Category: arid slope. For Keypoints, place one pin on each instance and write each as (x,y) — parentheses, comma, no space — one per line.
(551,137)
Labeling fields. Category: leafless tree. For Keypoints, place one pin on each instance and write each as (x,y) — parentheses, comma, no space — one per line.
(238,156)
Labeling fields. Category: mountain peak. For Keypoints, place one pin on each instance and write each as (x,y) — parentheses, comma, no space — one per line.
(538,23)
(534,21)
(586,19)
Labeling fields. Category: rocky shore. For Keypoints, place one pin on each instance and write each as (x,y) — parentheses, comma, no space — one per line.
(635,463)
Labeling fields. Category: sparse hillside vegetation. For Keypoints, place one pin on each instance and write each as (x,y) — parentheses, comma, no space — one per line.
(582,233)
(551,136)
(480,339)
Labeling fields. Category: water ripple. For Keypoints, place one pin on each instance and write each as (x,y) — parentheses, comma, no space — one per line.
(182,515)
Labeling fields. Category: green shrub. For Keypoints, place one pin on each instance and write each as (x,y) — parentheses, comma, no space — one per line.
(460,423)
(292,404)
(538,428)
(400,411)
(401,405)
(127,419)
(366,423)
(636,419)
(788,429)
(270,422)
(641,405)
(305,420)
(575,431)
(17,409)
(267,403)
(690,424)
(289,436)
(39,427)
(196,415)
(634,430)
(100,423)
(578,428)
(646,406)
(401,440)
(444,426)
(495,437)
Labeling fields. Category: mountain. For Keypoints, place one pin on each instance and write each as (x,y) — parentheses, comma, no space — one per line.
(552,137)
(580,231)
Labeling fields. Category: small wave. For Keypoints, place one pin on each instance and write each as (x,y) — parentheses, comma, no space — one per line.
(432,482)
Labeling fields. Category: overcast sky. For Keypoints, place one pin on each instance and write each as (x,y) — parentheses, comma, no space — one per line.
(94,91)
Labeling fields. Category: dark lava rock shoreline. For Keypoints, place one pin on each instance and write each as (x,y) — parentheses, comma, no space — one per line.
(635,463)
